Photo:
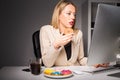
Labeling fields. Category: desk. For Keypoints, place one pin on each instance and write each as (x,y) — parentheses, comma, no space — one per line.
(16,73)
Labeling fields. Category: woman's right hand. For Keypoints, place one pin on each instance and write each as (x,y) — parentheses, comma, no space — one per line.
(101,65)
(63,40)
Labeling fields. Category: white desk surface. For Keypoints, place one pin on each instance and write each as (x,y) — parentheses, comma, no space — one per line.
(16,73)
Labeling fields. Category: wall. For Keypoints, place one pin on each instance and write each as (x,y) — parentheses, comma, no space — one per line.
(18,20)
(84,23)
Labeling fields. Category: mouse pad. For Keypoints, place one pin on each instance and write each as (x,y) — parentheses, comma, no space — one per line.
(115,75)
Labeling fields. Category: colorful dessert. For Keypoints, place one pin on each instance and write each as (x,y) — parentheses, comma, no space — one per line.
(56,73)
(48,71)
(66,72)
(53,72)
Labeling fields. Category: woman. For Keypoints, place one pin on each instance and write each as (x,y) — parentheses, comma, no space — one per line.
(61,43)
(61,32)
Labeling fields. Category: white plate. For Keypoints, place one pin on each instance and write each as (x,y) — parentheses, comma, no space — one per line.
(60,76)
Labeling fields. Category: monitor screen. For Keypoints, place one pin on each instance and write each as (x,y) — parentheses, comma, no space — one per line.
(106,35)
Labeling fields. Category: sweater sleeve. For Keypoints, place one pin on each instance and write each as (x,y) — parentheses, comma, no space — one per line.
(49,53)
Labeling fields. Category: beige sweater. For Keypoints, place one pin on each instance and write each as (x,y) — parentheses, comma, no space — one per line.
(51,56)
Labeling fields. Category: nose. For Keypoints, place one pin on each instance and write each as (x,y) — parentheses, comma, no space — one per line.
(72,16)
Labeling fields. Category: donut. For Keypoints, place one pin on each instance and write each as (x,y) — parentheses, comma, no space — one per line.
(48,71)
(53,72)
(68,31)
(57,73)
(66,72)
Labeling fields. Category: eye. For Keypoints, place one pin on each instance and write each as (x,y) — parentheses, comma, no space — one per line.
(69,13)
(74,14)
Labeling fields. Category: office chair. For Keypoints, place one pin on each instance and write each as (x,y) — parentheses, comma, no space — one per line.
(36,45)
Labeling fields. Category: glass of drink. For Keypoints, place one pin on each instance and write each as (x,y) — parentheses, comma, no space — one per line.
(35,67)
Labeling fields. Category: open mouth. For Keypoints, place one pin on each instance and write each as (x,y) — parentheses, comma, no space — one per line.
(71,23)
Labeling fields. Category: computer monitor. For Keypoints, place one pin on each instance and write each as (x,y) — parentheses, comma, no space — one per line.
(106,35)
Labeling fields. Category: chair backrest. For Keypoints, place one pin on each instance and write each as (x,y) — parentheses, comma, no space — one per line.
(36,44)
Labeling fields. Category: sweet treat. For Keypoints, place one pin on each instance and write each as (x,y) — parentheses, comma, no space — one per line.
(56,73)
(53,72)
(66,72)
(48,71)
(68,31)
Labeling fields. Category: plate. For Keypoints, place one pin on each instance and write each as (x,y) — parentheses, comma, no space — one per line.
(58,77)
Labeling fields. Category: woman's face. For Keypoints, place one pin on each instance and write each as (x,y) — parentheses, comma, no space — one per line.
(67,16)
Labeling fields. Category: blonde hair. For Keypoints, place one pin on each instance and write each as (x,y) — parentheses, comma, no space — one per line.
(57,11)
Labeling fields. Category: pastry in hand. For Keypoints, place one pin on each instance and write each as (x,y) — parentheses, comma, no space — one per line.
(68,31)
